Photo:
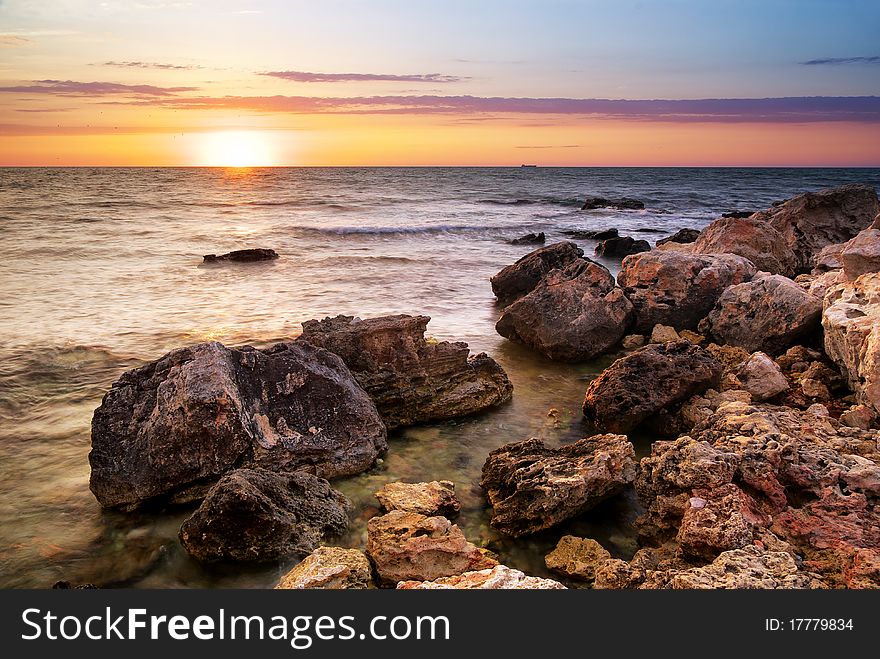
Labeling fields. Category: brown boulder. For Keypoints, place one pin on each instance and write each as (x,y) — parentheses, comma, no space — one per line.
(861,254)
(434,498)
(753,239)
(517,279)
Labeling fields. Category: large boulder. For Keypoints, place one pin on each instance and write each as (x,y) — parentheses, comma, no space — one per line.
(411,547)
(678,289)
(647,381)
(862,254)
(619,247)
(410,379)
(499,577)
(812,220)
(851,321)
(532,487)
(574,314)
(434,498)
(517,279)
(762,377)
(753,239)
(260,515)
(768,313)
(330,568)
(174,426)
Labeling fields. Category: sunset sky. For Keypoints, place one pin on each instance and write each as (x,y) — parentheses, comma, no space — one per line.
(440,82)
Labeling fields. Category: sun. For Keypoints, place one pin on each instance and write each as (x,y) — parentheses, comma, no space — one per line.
(237,149)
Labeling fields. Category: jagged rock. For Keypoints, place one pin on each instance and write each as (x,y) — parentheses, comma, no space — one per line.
(716,520)
(677,289)
(827,259)
(530,239)
(861,254)
(532,487)
(410,379)
(330,568)
(858,416)
(820,284)
(623,203)
(851,321)
(243,256)
(647,381)
(574,314)
(499,577)
(601,234)
(810,221)
(752,239)
(693,337)
(411,547)
(768,313)
(664,334)
(577,558)
(621,246)
(633,341)
(172,427)
(517,279)
(762,377)
(260,515)
(681,236)
(434,498)
(747,568)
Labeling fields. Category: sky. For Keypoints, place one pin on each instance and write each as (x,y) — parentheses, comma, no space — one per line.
(440,82)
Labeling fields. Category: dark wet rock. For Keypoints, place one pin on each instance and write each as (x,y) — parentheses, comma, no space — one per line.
(407,546)
(678,289)
(499,577)
(682,236)
(647,381)
(410,379)
(738,214)
(532,487)
(752,239)
(260,515)
(243,256)
(600,234)
(530,239)
(174,426)
(330,568)
(574,314)
(623,203)
(620,247)
(520,278)
(768,313)
(434,498)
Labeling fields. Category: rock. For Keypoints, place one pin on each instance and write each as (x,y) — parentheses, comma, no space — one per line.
(577,558)
(750,238)
(647,381)
(499,577)
(717,520)
(259,515)
(623,203)
(681,248)
(693,337)
(622,246)
(434,498)
(574,314)
(520,278)
(861,254)
(818,409)
(677,289)
(530,239)
(769,314)
(819,285)
(762,377)
(858,416)
(747,568)
(330,568)
(532,487)
(243,256)
(737,214)
(828,258)
(633,341)
(813,220)
(601,234)
(172,427)
(851,321)
(411,547)
(681,236)
(664,334)
(410,379)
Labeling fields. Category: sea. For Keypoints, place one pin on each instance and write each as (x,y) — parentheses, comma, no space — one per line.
(101,270)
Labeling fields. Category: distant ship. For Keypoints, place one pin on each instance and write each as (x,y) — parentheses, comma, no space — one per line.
(528,165)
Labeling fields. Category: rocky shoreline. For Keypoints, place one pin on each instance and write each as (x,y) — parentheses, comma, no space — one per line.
(750,351)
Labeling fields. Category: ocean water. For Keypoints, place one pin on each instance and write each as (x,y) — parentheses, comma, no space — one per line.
(101,270)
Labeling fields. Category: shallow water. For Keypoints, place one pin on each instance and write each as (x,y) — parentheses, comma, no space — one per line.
(100,270)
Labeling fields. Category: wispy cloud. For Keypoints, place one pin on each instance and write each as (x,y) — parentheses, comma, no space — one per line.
(13,40)
(306,76)
(95,89)
(548,146)
(874,59)
(149,65)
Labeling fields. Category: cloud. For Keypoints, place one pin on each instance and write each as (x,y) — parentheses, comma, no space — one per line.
(875,59)
(13,40)
(305,76)
(149,65)
(548,146)
(73,88)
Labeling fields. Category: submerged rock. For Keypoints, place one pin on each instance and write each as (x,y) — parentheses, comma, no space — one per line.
(752,239)
(411,547)
(434,498)
(622,246)
(259,515)
(682,236)
(410,379)
(622,203)
(243,256)
(574,314)
(577,558)
(532,487)
(499,577)
(647,381)
(530,239)
(518,279)
(330,568)
(172,427)
(678,289)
